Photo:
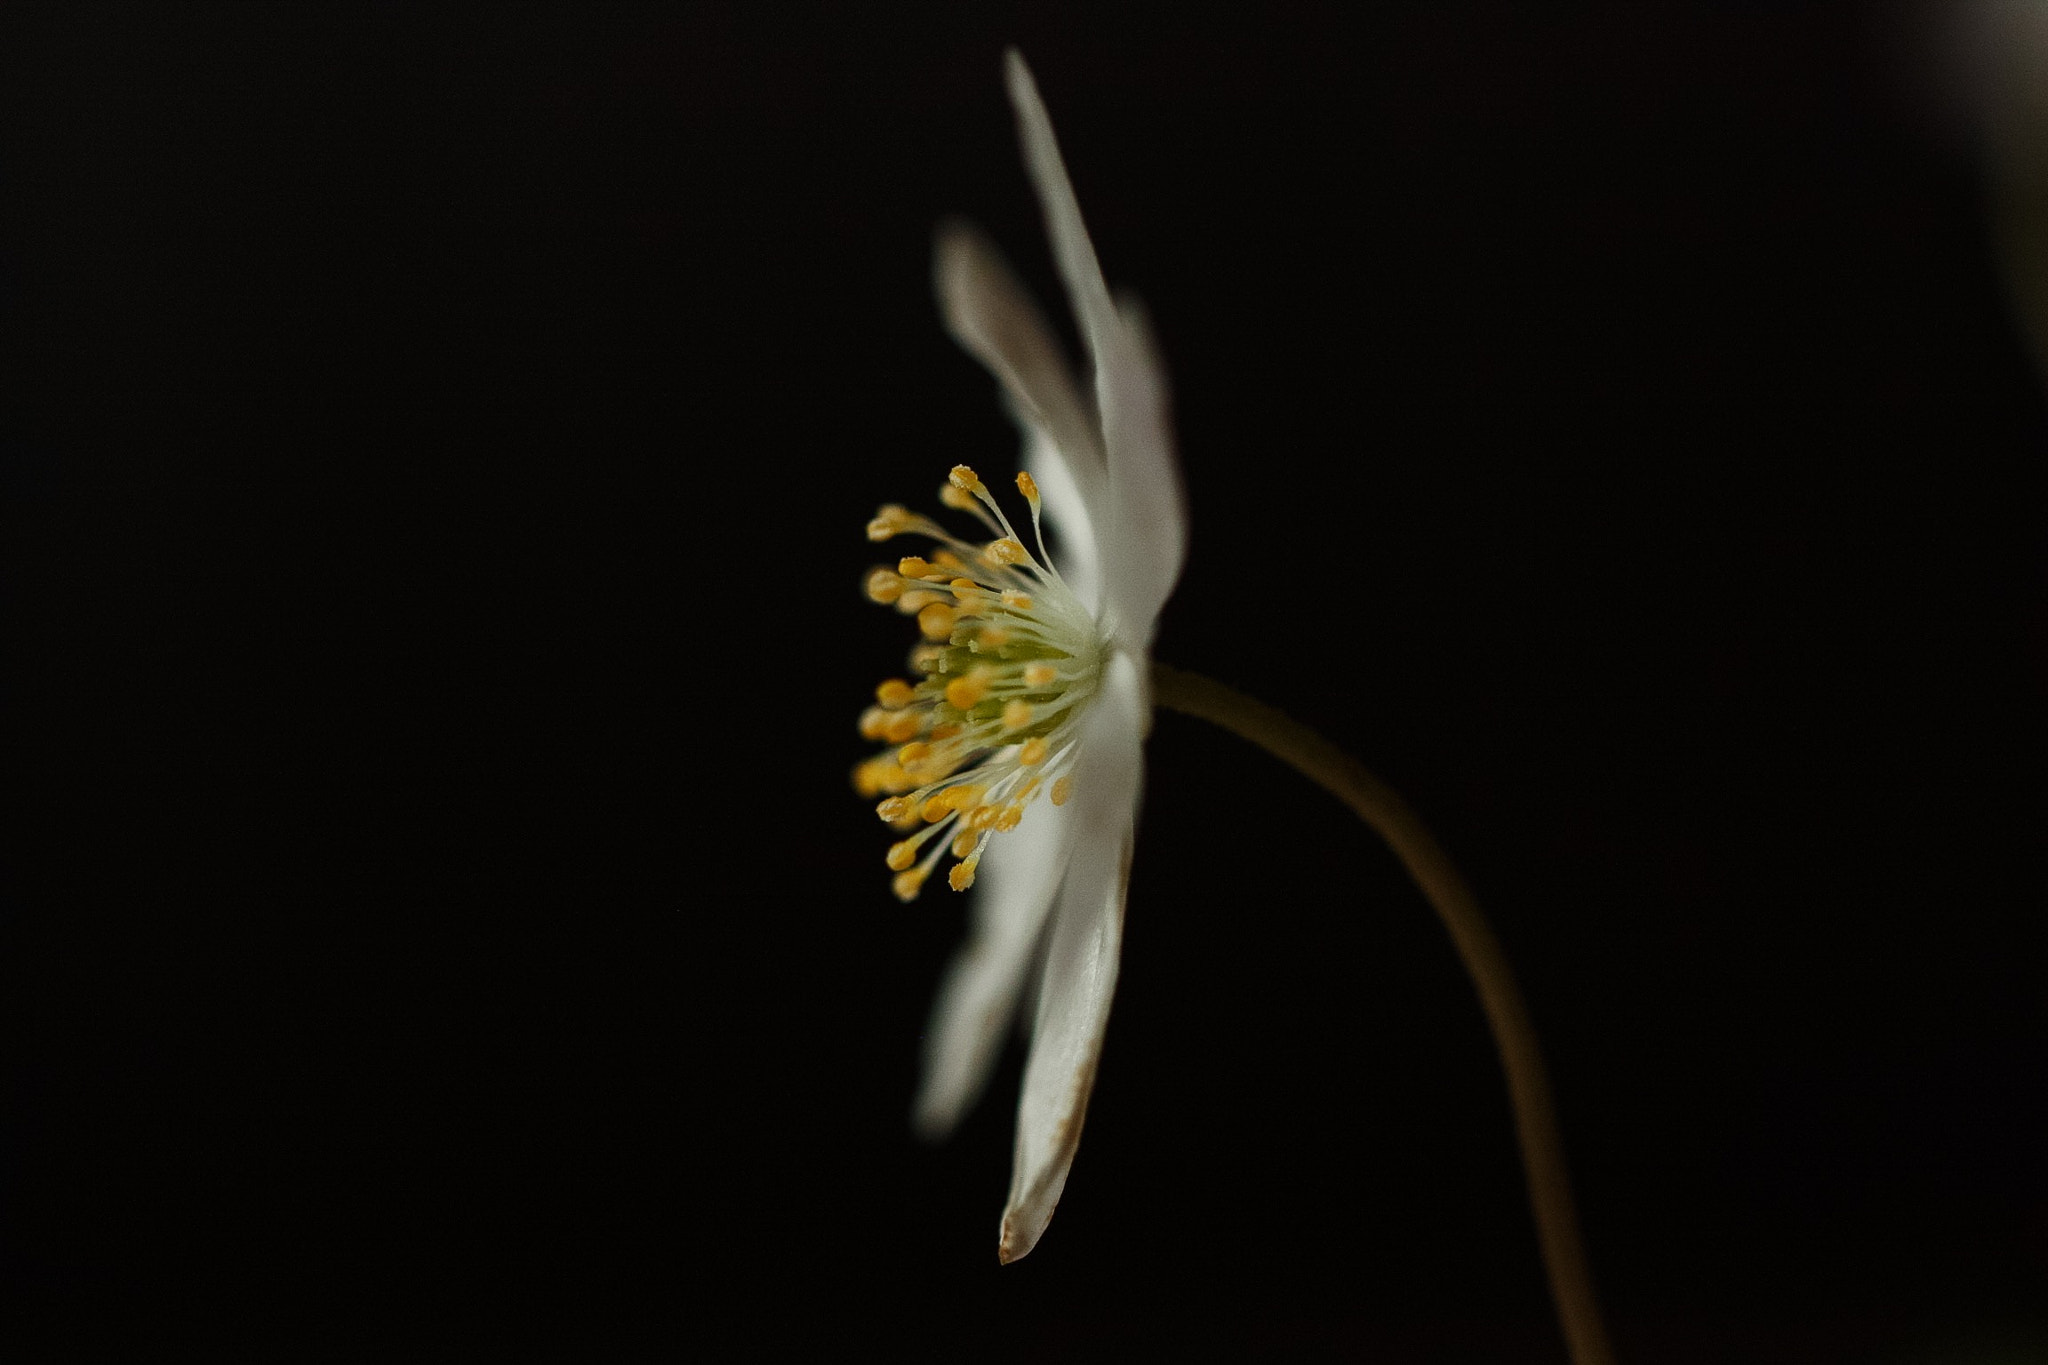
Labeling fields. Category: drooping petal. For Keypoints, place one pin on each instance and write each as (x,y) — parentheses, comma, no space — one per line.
(1018,878)
(1144,537)
(1079,976)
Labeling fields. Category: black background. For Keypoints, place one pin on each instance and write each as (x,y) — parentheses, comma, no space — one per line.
(436,447)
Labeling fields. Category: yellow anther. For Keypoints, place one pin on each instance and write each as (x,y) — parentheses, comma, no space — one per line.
(908,884)
(867,778)
(1031,754)
(910,566)
(962,693)
(964,842)
(966,796)
(913,753)
(927,658)
(935,809)
(1015,600)
(1040,675)
(962,875)
(889,521)
(1061,790)
(1028,486)
(983,817)
(1028,790)
(958,499)
(946,559)
(1008,550)
(970,592)
(965,479)
(936,620)
(883,586)
(880,776)
(916,600)
(990,637)
(901,855)
(942,733)
(1016,715)
(874,723)
(1008,818)
(895,694)
(903,727)
(895,808)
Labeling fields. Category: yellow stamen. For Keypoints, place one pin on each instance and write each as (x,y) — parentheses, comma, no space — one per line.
(1016,715)
(1008,550)
(867,778)
(957,498)
(991,637)
(935,809)
(1040,675)
(1061,790)
(891,520)
(1015,600)
(895,694)
(936,621)
(1032,754)
(962,693)
(883,586)
(1008,819)
(1028,486)
(908,884)
(965,479)
(964,842)
(895,808)
(913,753)
(903,727)
(901,855)
(874,723)
(910,566)
(962,875)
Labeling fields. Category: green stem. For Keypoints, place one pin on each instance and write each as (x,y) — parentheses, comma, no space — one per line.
(1550,1195)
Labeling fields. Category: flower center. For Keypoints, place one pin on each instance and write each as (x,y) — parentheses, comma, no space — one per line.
(1010,659)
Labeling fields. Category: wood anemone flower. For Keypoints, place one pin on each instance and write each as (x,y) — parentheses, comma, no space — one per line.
(1035,681)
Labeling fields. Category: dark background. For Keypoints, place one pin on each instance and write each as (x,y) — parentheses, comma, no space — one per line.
(435,453)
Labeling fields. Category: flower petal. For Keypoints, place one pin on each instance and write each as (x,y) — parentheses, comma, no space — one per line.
(1144,539)
(1076,552)
(1081,959)
(995,321)
(1019,874)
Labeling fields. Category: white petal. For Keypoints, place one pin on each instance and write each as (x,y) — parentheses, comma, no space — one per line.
(1013,890)
(995,321)
(1081,961)
(1144,537)
(1148,536)
(1076,552)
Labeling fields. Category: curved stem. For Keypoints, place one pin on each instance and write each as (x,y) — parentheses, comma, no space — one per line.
(1550,1195)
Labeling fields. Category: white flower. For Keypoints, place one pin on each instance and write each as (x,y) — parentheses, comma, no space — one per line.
(1035,683)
